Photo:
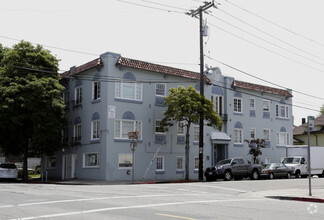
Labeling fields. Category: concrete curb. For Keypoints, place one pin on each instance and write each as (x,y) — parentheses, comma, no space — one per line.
(299,199)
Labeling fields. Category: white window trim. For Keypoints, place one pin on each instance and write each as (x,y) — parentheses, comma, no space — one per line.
(254,129)
(267,129)
(131,161)
(98,130)
(77,94)
(286,138)
(119,85)
(196,168)
(98,90)
(265,101)
(156,84)
(182,164)
(183,128)
(163,165)
(84,160)
(241,138)
(47,160)
(241,104)
(194,134)
(156,122)
(278,115)
(218,103)
(252,108)
(136,127)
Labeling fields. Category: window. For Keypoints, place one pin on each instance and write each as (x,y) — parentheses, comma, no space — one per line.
(218,103)
(129,90)
(180,163)
(91,160)
(282,111)
(238,136)
(51,162)
(78,95)
(157,127)
(122,127)
(266,105)
(77,132)
(95,130)
(159,163)
(196,133)
(196,163)
(181,129)
(66,97)
(65,135)
(252,133)
(96,90)
(266,134)
(252,103)
(282,138)
(125,160)
(237,105)
(160,89)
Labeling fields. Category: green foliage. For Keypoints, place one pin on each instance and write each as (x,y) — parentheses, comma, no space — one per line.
(322,110)
(185,105)
(255,148)
(31,106)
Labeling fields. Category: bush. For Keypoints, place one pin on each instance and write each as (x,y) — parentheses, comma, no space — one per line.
(38,169)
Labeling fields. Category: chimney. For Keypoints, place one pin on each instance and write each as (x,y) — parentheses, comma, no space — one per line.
(303,120)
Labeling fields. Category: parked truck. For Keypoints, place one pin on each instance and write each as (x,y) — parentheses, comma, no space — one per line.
(232,168)
(297,158)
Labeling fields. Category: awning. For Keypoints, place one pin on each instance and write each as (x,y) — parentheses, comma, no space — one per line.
(219,137)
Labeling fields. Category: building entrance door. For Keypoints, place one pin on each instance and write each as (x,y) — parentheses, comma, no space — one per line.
(219,152)
(69,161)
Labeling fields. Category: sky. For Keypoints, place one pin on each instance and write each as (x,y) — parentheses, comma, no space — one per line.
(273,43)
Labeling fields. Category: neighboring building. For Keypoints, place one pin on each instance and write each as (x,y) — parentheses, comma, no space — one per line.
(112,95)
(316,134)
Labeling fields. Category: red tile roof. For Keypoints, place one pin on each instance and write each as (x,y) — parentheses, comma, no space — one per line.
(158,68)
(84,67)
(260,88)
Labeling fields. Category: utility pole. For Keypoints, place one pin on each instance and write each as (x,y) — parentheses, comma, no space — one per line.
(194,13)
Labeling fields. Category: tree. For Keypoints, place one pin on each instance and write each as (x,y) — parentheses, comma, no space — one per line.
(322,110)
(185,105)
(31,106)
(255,148)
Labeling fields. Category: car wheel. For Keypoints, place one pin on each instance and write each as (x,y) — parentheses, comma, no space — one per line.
(271,176)
(228,175)
(255,175)
(288,175)
(297,174)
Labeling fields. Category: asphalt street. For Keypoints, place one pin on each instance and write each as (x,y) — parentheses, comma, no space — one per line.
(200,200)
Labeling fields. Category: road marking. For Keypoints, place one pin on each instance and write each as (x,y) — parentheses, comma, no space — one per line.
(193,191)
(134,207)
(99,198)
(225,188)
(175,216)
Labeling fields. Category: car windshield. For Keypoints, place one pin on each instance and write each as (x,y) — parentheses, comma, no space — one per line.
(291,160)
(270,166)
(224,162)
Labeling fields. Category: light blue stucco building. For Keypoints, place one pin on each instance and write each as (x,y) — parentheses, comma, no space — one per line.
(110,96)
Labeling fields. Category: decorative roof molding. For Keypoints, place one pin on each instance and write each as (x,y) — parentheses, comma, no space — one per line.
(142,65)
(260,88)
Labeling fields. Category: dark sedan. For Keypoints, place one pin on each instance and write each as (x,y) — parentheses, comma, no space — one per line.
(275,170)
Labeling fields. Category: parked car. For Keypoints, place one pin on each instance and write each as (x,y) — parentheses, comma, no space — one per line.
(233,168)
(276,170)
(8,171)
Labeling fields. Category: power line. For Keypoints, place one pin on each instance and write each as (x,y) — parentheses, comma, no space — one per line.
(241,71)
(150,7)
(275,24)
(169,6)
(296,61)
(272,36)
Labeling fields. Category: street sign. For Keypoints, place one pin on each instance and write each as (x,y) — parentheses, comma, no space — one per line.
(311,121)
(132,135)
